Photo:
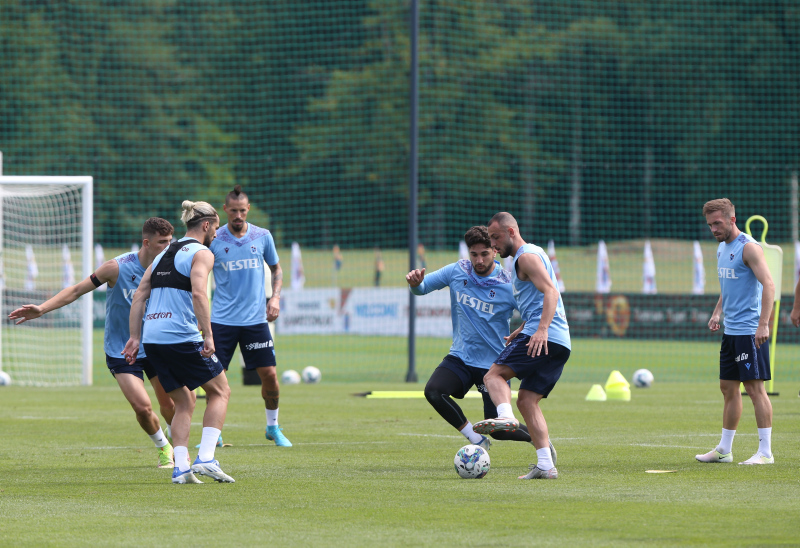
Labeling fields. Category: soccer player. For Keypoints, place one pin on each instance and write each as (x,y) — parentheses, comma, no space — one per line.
(481,305)
(178,339)
(537,350)
(122,274)
(240,311)
(746,296)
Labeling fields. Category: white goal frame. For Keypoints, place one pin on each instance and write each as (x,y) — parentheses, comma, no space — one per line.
(87,237)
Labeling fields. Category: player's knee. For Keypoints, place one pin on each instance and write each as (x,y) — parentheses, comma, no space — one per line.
(432,393)
(142,410)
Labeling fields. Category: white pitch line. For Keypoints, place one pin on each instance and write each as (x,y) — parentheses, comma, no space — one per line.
(29,418)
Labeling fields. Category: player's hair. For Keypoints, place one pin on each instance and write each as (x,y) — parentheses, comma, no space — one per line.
(236,194)
(477,235)
(504,219)
(722,204)
(156,226)
(195,213)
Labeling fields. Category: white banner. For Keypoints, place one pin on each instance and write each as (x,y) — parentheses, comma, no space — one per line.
(699,276)
(603,284)
(363,311)
(649,271)
(309,311)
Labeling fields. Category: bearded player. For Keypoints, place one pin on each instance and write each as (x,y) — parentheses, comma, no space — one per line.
(240,310)
(481,307)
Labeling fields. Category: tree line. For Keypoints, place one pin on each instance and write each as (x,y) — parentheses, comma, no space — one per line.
(586,119)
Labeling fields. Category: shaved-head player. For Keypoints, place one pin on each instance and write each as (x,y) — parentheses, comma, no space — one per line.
(536,352)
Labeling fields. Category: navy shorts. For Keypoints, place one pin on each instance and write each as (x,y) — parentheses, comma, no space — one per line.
(255,341)
(470,376)
(536,373)
(740,360)
(139,368)
(180,364)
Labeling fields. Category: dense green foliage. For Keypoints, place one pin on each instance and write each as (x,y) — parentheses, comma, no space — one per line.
(587,118)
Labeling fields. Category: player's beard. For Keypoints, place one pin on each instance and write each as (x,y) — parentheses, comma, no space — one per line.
(481,269)
(505,251)
(207,239)
(237,225)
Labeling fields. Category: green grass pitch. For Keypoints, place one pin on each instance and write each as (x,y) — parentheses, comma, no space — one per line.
(75,469)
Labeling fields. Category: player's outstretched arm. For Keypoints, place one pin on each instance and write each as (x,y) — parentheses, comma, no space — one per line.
(138,307)
(534,270)
(753,257)
(107,273)
(202,264)
(274,302)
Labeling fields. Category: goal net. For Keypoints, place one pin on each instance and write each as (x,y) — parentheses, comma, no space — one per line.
(45,246)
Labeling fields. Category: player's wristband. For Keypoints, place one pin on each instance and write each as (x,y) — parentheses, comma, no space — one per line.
(95,281)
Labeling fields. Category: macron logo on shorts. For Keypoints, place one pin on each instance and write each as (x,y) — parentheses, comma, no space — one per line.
(258,345)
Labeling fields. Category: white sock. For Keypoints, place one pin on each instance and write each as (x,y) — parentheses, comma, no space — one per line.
(545,459)
(208,443)
(505,411)
(272,417)
(182,458)
(471,434)
(169,430)
(765,441)
(726,442)
(159,439)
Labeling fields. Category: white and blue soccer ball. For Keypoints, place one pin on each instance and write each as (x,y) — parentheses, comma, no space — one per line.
(5,378)
(472,462)
(311,375)
(290,376)
(642,378)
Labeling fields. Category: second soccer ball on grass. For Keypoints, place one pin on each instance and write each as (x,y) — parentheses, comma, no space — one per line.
(290,376)
(642,378)
(311,375)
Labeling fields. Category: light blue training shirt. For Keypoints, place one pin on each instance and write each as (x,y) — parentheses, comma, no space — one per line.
(480,309)
(240,298)
(530,301)
(118,305)
(741,290)
(170,317)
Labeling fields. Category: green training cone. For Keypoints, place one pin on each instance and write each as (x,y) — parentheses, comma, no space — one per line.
(615,379)
(618,393)
(596,393)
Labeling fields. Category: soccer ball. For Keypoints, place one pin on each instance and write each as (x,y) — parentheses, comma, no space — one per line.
(290,376)
(311,375)
(642,378)
(5,378)
(472,462)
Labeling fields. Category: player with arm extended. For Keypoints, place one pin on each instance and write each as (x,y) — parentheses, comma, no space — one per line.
(746,297)
(481,305)
(178,339)
(122,274)
(240,310)
(537,350)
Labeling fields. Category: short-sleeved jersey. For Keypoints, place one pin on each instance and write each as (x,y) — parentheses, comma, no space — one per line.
(480,308)
(170,314)
(118,305)
(240,298)
(530,300)
(741,290)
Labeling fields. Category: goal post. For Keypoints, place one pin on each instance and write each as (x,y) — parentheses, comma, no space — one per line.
(46,222)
